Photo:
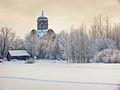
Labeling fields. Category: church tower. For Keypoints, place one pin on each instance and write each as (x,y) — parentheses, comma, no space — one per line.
(42,29)
(42,22)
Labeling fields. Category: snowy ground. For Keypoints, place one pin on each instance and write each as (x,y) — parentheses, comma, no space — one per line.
(54,75)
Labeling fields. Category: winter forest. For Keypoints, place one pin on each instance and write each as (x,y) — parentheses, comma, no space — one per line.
(98,43)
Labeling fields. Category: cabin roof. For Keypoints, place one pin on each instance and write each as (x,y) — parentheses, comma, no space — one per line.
(18,53)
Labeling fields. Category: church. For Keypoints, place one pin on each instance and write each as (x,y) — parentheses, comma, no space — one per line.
(42,28)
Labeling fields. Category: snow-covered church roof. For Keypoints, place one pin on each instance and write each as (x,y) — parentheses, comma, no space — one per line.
(18,53)
(42,32)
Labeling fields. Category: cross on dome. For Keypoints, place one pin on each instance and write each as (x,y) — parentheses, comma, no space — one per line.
(42,16)
(42,12)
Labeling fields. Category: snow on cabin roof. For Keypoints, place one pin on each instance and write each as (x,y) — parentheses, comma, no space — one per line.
(42,32)
(18,53)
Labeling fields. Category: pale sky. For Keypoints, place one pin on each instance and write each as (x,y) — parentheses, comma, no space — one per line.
(21,15)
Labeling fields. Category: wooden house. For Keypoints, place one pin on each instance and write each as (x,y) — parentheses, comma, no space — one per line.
(18,54)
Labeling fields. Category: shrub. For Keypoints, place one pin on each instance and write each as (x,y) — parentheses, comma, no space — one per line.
(31,60)
(107,56)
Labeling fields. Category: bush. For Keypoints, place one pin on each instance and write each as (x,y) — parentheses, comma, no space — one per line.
(107,56)
(31,60)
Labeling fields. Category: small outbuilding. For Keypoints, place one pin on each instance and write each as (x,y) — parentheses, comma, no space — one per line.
(18,54)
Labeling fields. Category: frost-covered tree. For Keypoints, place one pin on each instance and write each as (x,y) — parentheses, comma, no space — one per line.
(116,35)
(49,49)
(38,46)
(100,36)
(6,39)
(73,46)
(78,45)
(61,45)
(17,44)
(31,43)
(42,48)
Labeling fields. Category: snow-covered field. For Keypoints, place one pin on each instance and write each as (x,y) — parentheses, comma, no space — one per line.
(56,75)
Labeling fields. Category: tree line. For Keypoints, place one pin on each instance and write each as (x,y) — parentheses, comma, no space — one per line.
(78,46)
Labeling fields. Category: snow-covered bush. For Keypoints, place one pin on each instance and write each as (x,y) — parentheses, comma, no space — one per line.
(14,60)
(98,44)
(31,60)
(4,59)
(107,56)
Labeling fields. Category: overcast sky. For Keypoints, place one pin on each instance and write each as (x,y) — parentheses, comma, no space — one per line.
(21,15)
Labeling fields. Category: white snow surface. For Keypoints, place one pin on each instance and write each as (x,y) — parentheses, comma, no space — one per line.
(59,75)
(18,53)
(42,32)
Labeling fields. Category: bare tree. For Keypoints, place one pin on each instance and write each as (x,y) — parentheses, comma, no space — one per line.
(6,40)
